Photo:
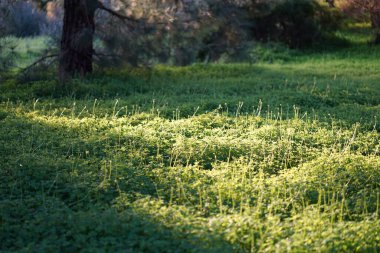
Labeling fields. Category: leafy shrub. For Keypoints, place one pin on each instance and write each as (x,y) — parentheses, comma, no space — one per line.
(298,23)
(270,52)
(367,11)
(205,31)
(7,55)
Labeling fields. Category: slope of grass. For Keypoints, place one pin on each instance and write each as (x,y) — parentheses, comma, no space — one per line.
(270,157)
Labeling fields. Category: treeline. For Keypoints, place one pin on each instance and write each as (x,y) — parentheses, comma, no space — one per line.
(187,31)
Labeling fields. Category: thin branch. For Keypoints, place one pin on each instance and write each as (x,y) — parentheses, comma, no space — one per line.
(114,13)
(38,62)
(97,54)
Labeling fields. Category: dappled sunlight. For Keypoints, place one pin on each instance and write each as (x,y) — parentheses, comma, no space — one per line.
(205,180)
(203,126)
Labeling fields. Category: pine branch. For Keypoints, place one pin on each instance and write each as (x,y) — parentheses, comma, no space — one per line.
(38,62)
(115,13)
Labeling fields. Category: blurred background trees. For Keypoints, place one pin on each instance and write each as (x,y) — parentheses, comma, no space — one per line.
(364,10)
(182,32)
(21,18)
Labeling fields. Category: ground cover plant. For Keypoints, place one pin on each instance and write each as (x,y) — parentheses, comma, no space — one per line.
(278,154)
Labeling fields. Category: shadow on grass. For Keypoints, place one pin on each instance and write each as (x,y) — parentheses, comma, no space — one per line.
(55,199)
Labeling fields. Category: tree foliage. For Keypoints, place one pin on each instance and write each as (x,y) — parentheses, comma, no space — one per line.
(365,10)
(297,23)
(181,32)
(177,34)
(210,30)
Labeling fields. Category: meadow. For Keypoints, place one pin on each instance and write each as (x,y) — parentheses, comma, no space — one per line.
(279,154)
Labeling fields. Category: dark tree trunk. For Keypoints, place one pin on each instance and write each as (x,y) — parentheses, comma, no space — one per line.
(331,3)
(77,38)
(377,38)
(375,23)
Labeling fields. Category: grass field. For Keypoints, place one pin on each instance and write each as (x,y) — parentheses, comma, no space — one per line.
(282,155)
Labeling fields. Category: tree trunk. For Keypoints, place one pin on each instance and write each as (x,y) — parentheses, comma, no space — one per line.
(331,3)
(377,38)
(77,38)
(375,22)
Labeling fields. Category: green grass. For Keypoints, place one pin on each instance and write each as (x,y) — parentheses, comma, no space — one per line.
(269,157)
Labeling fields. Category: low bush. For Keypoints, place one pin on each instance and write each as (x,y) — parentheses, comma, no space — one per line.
(297,23)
